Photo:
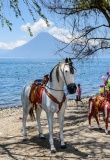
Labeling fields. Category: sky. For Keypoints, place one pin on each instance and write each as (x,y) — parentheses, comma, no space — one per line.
(19,34)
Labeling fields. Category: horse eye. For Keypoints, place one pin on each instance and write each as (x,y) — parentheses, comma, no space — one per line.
(66,71)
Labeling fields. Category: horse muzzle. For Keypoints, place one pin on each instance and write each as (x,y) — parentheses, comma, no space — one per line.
(71,88)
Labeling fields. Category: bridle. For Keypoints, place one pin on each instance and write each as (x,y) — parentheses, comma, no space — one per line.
(53,88)
(71,70)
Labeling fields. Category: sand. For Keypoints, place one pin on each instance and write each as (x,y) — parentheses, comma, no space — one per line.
(81,142)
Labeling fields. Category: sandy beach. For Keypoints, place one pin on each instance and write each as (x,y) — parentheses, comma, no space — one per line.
(82,143)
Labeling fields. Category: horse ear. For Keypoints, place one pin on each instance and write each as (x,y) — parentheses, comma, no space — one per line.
(70,60)
(66,60)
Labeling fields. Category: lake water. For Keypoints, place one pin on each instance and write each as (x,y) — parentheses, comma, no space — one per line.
(15,73)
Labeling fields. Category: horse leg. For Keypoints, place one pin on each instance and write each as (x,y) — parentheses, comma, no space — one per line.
(106,110)
(50,125)
(38,114)
(61,121)
(90,114)
(26,109)
(97,120)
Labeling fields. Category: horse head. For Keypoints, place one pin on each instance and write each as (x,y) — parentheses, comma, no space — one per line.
(65,71)
(69,72)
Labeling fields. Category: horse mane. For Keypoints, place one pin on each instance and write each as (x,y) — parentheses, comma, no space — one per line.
(57,72)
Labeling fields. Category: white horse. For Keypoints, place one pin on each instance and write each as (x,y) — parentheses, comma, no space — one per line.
(53,100)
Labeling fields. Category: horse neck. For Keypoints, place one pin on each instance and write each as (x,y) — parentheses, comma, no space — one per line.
(56,88)
(56,85)
(56,81)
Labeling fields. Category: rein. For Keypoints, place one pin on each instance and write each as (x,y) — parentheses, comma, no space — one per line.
(63,74)
(53,89)
(63,71)
(55,100)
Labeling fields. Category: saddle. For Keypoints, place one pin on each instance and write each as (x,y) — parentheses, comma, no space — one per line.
(35,96)
(98,102)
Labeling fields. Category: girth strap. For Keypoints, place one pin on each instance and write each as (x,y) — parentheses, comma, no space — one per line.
(55,100)
(100,102)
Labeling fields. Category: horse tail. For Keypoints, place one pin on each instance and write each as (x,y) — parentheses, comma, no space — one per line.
(92,105)
(31,112)
(90,99)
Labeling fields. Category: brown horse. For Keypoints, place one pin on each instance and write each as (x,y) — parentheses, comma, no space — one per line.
(96,105)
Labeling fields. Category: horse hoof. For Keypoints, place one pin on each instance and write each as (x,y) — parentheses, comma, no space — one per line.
(53,151)
(63,146)
(106,131)
(24,140)
(42,138)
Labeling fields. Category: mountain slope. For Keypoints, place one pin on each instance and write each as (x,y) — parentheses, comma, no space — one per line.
(42,46)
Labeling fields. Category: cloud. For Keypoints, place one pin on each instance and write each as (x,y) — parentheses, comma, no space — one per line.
(61,34)
(40,26)
(11,45)
(94,42)
(37,27)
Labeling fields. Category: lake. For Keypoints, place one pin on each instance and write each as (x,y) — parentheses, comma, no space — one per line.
(17,72)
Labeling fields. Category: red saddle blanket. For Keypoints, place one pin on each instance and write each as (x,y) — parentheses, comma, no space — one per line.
(39,95)
(36,93)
